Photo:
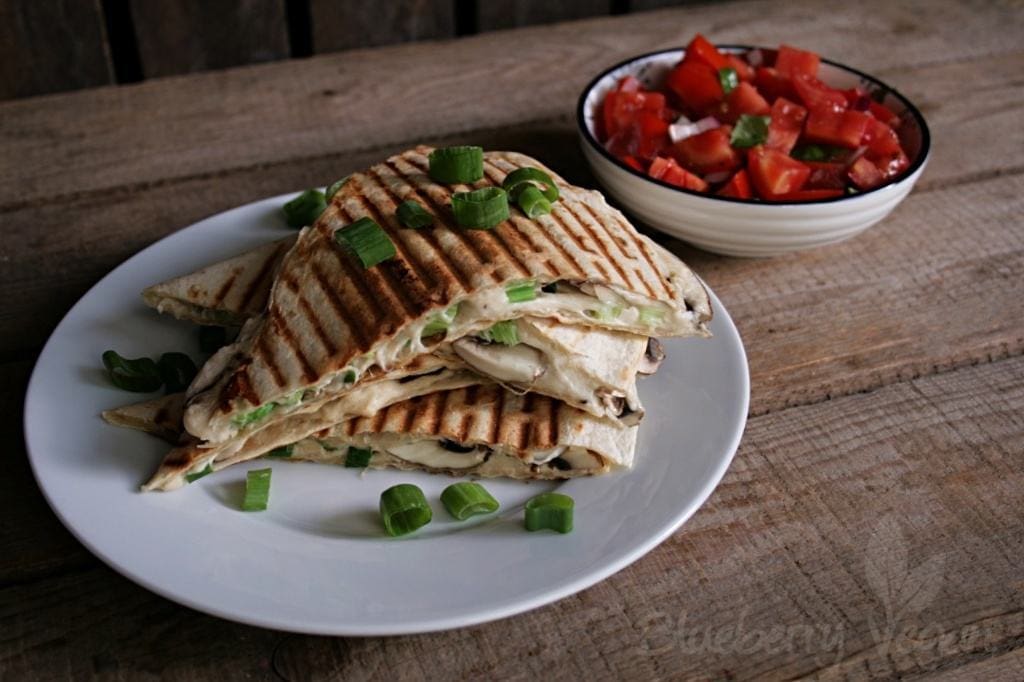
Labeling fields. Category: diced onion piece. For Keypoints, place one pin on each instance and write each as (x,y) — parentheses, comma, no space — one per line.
(452,165)
(551,511)
(684,128)
(403,509)
(257,490)
(466,498)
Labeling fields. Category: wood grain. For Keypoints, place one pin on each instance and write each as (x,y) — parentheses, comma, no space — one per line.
(52,46)
(786,571)
(347,24)
(275,113)
(193,35)
(498,14)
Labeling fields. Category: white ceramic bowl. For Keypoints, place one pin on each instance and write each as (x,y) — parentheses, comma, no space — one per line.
(738,227)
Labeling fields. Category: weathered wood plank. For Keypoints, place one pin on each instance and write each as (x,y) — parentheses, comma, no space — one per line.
(498,14)
(274,113)
(830,513)
(52,46)
(347,24)
(192,35)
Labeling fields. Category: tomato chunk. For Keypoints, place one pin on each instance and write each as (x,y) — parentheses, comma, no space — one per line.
(738,186)
(744,71)
(632,162)
(702,51)
(791,61)
(620,108)
(697,86)
(880,139)
(865,174)
(883,114)
(787,120)
(772,84)
(840,128)
(825,175)
(674,174)
(816,95)
(708,152)
(773,173)
(744,99)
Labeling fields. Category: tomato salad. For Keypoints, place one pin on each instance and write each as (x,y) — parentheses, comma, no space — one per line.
(759,125)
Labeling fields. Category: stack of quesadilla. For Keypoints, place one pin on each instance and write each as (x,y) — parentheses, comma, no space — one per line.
(402,362)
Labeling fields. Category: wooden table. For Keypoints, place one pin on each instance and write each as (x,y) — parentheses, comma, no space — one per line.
(872,524)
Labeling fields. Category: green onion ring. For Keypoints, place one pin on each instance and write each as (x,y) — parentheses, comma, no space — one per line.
(481,209)
(467,498)
(413,216)
(531,201)
(403,509)
(551,511)
(531,175)
(305,208)
(453,165)
(257,490)
(367,241)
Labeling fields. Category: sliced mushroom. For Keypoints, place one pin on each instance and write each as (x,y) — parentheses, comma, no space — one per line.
(619,406)
(519,364)
(652,358)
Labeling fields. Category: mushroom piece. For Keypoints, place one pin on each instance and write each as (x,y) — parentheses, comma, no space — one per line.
(620,407)
(652,358)
(519,364)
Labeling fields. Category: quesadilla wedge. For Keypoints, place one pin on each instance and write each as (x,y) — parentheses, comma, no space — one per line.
(329,321)
(160,417)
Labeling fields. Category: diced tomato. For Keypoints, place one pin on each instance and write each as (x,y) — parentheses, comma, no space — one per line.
(883,114)
(708,152)
(816,95)
(744,99)
(744,71)
(809,195)
(880,139)
(738,186)
(701,50)
(791,61)
(890,165)
(652,134)
(696,85)
(825,175)
(671,172)
(787,120)
(865,174)
(632,162)
(773,173)
(620,108)
(840,128)
(628,84)
(772,84)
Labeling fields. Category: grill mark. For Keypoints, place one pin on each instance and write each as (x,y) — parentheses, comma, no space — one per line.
(568,257)
(410,418)
(376,316)
(226,287)
(603,270)
(592,233)
(470,394)
(238,386)
(378,419)
(321,334)
(338,306)
(527,406)
(264,351)
(557,213)
(643,280)
(498,417)
(465,425)
(350,426)
(642,243)
(293,343)
(525,434)
(259,281)
(438,412)
(323,433)
(553,421)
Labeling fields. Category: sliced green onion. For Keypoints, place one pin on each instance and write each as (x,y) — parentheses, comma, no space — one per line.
(212,339)
(440,322)
(452,165)
(403,509)
(605,313)
(531,176)
(305,209)
(283,451)
(466,498)
(253,416)
(521,292)
(140,375)
(504,332)
(367,240)
(349,376)
(749,131)
(728,79)
(650,315)
(480,209)
(208,469)
(257,490)
(177,371)
(551,511)
(532,202)
(413,216)
(335,186)
(358,458)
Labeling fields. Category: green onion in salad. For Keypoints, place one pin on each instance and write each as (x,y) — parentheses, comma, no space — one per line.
(728,79)
(749,131)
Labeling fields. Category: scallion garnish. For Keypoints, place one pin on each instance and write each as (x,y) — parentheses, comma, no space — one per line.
(367,240)
(208,469)
(749,131)
(335,186)
(305,209)
(140,375)
(650,315)
(413,216)
(504,332)
(403,509)
(283,451)
(728,79)
(253,416)
(349,376)
(552,511)
(358,458)
(211,339)
(532,202)
(480,209)
(177,371)
(452,165)
(440,322)
(523,291)
(531,176)
(466,498)
(257,490)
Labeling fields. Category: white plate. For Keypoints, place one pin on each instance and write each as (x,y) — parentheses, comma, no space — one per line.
(316,561)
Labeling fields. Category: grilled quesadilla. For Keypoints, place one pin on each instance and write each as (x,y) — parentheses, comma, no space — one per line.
(160,417)
(329,322)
